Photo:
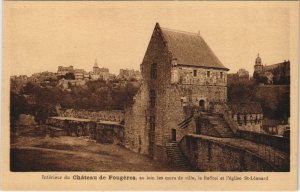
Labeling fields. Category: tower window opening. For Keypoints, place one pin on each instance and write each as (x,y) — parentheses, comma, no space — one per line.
(208,73)
(154,71)
(195,73)
(152,98)
(152,123)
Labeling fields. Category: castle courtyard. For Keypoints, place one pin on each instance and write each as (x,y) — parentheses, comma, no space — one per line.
(32,153)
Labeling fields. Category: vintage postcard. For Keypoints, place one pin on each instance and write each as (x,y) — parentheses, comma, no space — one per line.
(142,95)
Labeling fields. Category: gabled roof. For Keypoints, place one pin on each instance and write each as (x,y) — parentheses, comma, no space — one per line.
(271,122)
(277,65)
(245,107)
(190,49)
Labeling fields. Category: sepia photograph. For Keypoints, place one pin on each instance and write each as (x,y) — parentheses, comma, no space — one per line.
(150,87)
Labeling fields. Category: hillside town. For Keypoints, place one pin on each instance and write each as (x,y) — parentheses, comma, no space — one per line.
(68,75)
(183,108)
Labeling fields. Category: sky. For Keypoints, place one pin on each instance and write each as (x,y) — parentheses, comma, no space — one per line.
(40,36)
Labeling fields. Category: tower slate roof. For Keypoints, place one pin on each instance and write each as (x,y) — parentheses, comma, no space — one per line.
(190,49)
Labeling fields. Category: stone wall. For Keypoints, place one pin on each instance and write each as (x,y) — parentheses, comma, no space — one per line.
(102,132)
(208,155)
(208,94)
(157,55)
(198,76)
(245,121)
(266,139)
(114,115)
(135,133)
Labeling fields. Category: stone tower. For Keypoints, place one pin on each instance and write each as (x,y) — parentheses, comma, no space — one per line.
(95,67)
(179,70)
(258,67)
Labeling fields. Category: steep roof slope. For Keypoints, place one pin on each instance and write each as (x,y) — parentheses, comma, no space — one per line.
(190,49)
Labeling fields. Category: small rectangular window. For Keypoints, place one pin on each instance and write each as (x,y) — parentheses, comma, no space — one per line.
(208,73)
(221,75)
(153,71)
(152,98)
(209,152)
(152,123)
(152,119)
(183,101)
(195,73)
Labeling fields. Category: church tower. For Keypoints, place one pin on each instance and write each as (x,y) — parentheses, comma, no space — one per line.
(258,67)
(95,67)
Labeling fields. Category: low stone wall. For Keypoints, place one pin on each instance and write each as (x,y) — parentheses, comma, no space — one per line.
(271,140)
(102,132)
(114,115)
(208,155)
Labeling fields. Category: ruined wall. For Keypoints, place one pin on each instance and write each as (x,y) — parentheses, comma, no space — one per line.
(135,133)
(114,115)
(99,131)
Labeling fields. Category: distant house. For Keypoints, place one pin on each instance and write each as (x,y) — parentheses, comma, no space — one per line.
(101,73)
(62,71)
(248,115)
(241,76)
(86,76)
(93,76)
(275,126)
(129,74)
(79,74)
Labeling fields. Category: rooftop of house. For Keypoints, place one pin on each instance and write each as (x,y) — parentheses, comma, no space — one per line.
(190,49)
(245,107)
(271,122)
(277,65)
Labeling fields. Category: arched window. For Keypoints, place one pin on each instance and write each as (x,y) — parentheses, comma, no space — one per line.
(202,104)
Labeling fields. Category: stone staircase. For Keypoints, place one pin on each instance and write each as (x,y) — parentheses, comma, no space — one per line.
(176,157)
(218,123)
